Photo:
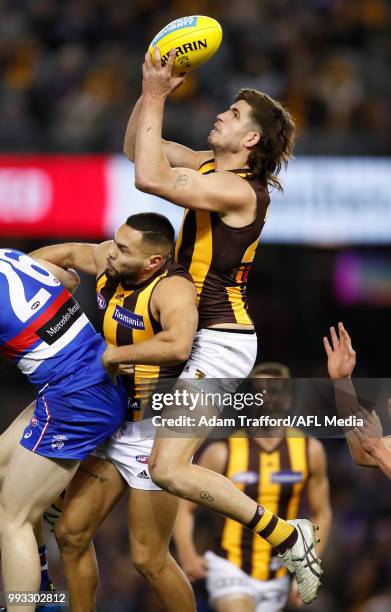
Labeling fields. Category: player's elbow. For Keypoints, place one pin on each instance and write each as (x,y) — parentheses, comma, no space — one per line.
(72,280)
(144,183)
(180,352)
(129,152)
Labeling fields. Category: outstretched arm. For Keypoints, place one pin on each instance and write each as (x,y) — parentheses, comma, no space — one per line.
(370,435)
(89,258)
(68,278)
(341,360)
(177,154)
(220,192)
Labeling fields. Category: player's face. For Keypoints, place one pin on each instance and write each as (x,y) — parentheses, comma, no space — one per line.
(277,394)
(128,256)
(234,129)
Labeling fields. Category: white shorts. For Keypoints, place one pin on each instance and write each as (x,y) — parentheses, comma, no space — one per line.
(219,354)
(225,578)
(130,452)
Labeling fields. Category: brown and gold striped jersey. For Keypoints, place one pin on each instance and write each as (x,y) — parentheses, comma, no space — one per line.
(219,257)
(273,479)
(125,317)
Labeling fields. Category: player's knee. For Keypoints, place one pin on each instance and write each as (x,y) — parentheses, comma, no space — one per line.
(9,522)
(147,562)
(164,476)
(70,540)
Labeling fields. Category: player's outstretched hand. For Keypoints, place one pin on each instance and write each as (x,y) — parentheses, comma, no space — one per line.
(158,80)
(370,434)
(341,358)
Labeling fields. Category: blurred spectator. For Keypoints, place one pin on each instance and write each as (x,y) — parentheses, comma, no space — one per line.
(70,71)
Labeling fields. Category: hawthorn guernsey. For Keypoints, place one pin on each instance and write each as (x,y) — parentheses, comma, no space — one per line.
(42,327)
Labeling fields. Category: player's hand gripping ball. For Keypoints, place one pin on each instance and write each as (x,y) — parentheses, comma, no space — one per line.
(196,39)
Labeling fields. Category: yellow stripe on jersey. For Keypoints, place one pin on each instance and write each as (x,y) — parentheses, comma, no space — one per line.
(268,496)
(109,324)
(207,167)
(249,255)
(139,335)
(236,300)
(180,235)
(298,457)
(144,374)
(248,258)
(203,250)
(203,247)
(232,533)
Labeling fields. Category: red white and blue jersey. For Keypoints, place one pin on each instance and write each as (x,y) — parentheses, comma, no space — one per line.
(42,327)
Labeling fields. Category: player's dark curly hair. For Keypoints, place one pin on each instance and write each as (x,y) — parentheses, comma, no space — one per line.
(277,136)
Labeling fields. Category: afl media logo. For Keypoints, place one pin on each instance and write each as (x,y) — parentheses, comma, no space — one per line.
(101,301)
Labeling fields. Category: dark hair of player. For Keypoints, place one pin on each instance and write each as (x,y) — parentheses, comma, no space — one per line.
(277,136)
(271,369)
(156,229)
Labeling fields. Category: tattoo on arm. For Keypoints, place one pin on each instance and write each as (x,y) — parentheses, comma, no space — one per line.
(181,181)
(205,496)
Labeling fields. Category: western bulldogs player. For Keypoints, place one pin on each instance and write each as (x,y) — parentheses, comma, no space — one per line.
(44,331)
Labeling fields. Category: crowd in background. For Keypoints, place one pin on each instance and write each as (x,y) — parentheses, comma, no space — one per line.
(69,75)
(70,71)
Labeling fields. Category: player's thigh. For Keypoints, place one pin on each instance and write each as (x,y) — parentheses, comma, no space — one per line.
(32,482)
(234,603)
(171,452)
(94,490)
(9,439)
(151,516)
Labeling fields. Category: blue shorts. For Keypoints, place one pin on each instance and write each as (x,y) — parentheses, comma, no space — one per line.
(71,425)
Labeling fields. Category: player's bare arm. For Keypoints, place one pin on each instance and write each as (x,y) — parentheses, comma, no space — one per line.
(193,564)
(318,491)
(222,192)
(381,452)
(341,360)
(178,155)
(370,436)
(69,278)
(85,257)
(173,304)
